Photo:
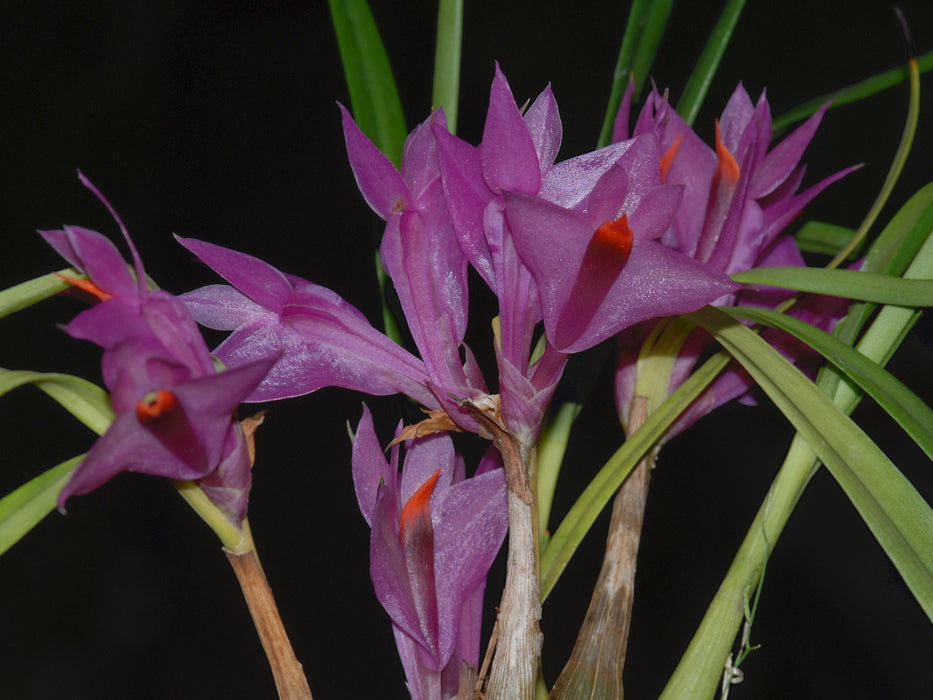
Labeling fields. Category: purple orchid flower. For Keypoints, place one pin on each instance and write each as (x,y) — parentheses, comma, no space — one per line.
(325,341)
(174,411)
(526,224)
(738,199)
(322,339)
(434,537)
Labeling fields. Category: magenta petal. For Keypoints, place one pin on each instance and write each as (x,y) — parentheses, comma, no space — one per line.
(543,120)
(467,196)
(507,154)
(735,117)
(655,212)
(380,183)
(435,304)
(419,157)
(783,158)
(221,307)
(369,466)
(570,182)
(255,278)
(422,458)
(228,485)
(469,529)
(424,678)
(387,567)
(94,254)
(125,447)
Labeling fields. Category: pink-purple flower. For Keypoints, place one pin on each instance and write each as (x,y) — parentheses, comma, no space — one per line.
(174,410)
(738,199)
(529,228)
(435,534)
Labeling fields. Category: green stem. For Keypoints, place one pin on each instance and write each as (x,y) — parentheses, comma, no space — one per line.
(446,88)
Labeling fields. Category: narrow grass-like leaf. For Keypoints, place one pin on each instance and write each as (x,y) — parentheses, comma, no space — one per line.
(25,294)
(552,445)
(852,93)
(865,286)
(24,508)
(900,402)
(894,171)
(823,238)
(894,511)
(602,488)
(85,401)
(698,84)
(646,22)
(700,669)
(446,88)
(373,95)
(904,247)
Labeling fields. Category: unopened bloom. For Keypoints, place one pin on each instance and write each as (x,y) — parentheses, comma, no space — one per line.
(174,411)
(435,534)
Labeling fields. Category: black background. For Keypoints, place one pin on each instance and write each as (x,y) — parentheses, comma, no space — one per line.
(218,120)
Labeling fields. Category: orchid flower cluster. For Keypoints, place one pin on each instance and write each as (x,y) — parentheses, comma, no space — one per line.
(628,245)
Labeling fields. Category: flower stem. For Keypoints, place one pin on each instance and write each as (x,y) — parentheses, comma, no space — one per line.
(290,681)
(515,665)
(594,669)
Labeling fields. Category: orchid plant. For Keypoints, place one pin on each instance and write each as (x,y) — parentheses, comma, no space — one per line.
(669,261)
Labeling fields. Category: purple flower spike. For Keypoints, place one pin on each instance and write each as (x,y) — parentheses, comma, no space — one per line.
(174,412)
(434,537)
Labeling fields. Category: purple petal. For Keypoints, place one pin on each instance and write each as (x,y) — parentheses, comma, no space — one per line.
(429,271)
(570,182)
(221,307)
(96,256)
(469,531)
(369,466)
(256,279)
(467,195)
(507,154)
(543,120)
(228,485)
(423,457)
(735,117)
(380,183)
(387,567)
(419,157)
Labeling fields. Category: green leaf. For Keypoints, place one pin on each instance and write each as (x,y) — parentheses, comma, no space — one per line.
(85,401)
(697,86)
(446,89)
(866,286)
(24,508)
(373,95)
(903,244)
(894,171)
(552,446)
(25,294)
(852,93)
(699,671)
(820,237)
(900,402)
(646,22)
(894,511)
(602,488)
